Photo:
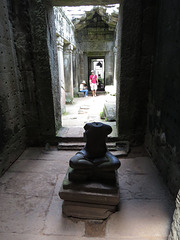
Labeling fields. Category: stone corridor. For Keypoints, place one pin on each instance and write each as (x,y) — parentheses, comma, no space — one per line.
(41,68)
(31,208)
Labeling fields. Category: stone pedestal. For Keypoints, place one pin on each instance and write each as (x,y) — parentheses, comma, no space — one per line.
(90,189)
(95,199)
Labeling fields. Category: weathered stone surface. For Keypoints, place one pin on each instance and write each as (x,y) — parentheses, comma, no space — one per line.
(175,227)
(110,111)
(29,211)
(95,228)
(19,211)
(14,105)
(138,214)
(89,197)
(56,224)
(108,182)
(86,210)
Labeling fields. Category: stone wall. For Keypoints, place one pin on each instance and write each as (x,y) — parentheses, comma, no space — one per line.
(163,135)
(43,60)
(134,58)
(17,82)
(53,62)
(28,78)
(175,227)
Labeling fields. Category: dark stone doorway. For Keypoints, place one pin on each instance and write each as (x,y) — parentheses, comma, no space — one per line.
(97,63)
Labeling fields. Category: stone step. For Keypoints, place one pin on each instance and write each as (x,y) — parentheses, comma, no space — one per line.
(120,148)
(81,139)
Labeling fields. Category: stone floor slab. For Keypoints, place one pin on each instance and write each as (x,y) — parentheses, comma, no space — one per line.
(138,179)
(31,153)
(22,214)
(141,219)
(56,224)
(16,236)
(137,165)
(42,154)
(141,187)
(30,207)
(40,166)
(58,184)
(29,184)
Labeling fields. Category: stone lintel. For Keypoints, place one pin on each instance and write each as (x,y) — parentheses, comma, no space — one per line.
(80,2)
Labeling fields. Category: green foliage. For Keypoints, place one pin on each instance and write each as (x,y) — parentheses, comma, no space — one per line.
(102,115)
(69,100)
(76,95)
(65,113)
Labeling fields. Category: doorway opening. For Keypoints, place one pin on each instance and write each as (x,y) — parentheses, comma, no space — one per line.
(97,64)
(86,41)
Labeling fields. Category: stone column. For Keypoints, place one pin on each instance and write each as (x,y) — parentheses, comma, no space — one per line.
(75,72)
(60,44)
(109,68)
(115,64)
(68,73)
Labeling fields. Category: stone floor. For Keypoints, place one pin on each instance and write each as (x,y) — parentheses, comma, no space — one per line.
(30,207)
(82,111)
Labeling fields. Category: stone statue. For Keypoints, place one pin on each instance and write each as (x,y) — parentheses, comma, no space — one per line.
(94,157)
(90,189)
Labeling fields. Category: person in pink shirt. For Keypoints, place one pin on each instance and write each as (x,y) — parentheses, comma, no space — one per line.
(93,80)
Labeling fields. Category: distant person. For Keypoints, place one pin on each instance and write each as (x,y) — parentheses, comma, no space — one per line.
(93,80)
(83,88)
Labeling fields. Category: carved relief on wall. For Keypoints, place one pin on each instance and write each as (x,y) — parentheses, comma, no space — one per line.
(64,27)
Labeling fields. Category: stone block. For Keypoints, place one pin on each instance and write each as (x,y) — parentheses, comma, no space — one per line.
(87,211)
(89,197)
(89,177)
(91,192)
(94,184)
(110,111)
(80,94)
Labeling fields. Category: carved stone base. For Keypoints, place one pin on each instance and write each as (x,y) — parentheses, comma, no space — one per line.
(107,177)
(89,200)
(87,211)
